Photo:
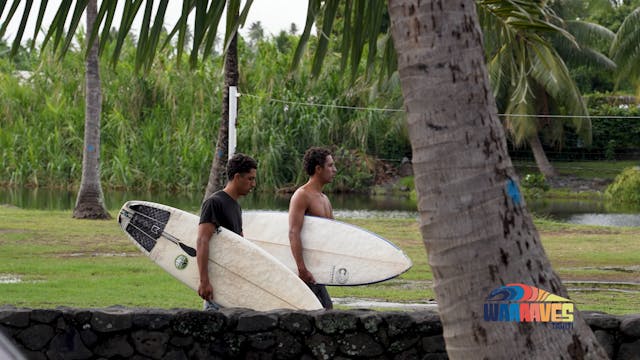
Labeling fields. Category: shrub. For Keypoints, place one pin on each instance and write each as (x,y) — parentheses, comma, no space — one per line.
(534,185)
(626,187)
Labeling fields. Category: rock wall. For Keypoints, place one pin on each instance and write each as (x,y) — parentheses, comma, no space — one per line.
(125,333)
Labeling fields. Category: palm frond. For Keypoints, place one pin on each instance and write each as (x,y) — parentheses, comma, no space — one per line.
(154,35)
(591,39)
(9,17)
(108,9)
(235,20)
(550,72)
(590,34)
(330,10)
(181,29)
(520,122)
(625,49)
(312,12)
(346,35)
(41,12)
(583,55)
(526,72)
(21,27)
(129,12)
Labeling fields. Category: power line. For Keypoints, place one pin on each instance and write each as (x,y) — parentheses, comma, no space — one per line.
(576,116)
(325,105)
(400,110)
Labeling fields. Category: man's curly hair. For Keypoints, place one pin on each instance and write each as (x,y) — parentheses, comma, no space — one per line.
(240,164)
(315,156)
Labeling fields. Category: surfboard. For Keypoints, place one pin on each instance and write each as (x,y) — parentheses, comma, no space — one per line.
(242,274)
(335,252)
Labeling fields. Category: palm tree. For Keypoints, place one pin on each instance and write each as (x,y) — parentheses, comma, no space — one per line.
(474,222)
(624,50)
(293,29)
(531,80)
(475,225)
(90,201)
(256,32)
(217,176)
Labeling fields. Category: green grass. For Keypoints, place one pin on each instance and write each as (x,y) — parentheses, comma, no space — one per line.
(81,263)
(605,169)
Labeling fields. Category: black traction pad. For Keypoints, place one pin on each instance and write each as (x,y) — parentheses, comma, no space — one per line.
(147,224)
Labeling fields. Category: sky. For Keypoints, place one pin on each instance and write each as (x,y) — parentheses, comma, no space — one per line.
(274,15)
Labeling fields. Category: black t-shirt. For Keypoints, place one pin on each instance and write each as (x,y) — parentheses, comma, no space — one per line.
(221,209)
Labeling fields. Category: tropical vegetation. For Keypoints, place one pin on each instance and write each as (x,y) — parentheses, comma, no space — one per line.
(165,119)
(273,99)
(626,187)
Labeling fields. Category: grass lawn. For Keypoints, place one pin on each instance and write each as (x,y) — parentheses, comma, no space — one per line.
(582,169)
(48,259)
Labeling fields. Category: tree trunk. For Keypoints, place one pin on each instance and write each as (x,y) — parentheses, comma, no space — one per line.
(90,201)
(218,174)
(540,156)
(535,144)
(476,228)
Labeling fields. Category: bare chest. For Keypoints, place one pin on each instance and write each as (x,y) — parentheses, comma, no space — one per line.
(319,205)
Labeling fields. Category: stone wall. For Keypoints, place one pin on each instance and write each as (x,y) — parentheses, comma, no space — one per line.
(125,333)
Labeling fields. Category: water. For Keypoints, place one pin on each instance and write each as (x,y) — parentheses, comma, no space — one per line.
(588,212)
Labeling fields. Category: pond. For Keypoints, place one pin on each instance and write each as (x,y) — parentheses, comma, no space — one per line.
(588,212)
(53,199)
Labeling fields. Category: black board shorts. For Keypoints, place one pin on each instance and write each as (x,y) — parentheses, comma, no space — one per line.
(320,291)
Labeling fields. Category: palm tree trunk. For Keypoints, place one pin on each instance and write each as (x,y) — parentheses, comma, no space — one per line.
(217,176)
(540,156)
(476,228)
(535,144)
(90,201)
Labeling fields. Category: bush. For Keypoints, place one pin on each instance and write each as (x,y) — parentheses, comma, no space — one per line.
(626,187)
(534,185)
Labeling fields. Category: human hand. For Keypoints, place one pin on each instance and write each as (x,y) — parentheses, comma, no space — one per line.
(205,290)
(306,276)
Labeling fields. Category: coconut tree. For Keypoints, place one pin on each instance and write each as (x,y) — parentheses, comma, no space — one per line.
(256,32)
(625,51)
(531,80)
(90,200)
(217,176)
(475,225)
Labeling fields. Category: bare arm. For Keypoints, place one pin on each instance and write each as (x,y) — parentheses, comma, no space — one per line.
(297,209)
(205,231)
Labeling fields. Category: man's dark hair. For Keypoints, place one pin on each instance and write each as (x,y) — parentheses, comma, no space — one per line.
(315,156)
(240,164)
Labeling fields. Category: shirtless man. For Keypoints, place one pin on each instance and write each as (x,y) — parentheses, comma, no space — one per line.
(309,200)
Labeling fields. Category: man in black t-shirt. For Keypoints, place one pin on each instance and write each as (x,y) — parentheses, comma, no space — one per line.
(222,209)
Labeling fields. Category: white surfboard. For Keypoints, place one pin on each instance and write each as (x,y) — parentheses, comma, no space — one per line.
(336,253)
(242,274)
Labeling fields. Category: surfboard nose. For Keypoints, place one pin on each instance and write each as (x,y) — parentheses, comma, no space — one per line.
(125,214)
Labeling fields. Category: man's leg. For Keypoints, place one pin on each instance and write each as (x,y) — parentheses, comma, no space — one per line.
(210,306)
(322,294)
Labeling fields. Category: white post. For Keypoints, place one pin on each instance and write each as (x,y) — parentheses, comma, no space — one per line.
(233,114)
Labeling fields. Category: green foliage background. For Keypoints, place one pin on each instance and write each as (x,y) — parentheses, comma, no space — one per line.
(626,187)
(158,129)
